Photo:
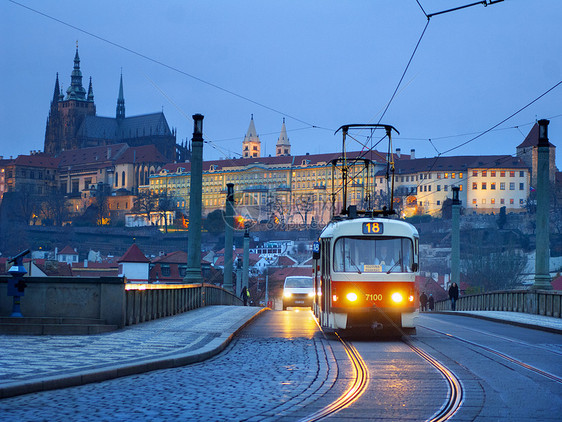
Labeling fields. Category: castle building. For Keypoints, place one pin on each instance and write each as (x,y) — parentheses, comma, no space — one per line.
(73,123)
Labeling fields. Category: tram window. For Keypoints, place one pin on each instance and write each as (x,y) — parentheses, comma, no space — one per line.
(373,255)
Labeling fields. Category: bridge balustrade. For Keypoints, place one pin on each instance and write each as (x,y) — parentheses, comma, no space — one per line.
(538,302)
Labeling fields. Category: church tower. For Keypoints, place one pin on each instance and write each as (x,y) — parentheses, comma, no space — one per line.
(120,111)
(251,147)
(67,114)
(283,146)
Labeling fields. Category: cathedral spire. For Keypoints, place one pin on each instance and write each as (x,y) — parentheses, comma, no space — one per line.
(57,90)
(90,91)
(76,91)
(120,111)
(251,147)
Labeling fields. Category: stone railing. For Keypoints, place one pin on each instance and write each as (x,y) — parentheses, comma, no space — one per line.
(144,302)
(538,302)
(111,299)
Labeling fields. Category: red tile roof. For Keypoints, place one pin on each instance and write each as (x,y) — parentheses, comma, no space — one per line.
(177,257)
(134,254)
(67,250)
(37,160)
(142,154)
(532,139)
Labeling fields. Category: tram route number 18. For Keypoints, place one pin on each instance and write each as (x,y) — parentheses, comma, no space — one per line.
(373,228)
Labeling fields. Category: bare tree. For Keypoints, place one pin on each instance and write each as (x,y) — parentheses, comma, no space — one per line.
(55,209)
(146,203)
(488,267)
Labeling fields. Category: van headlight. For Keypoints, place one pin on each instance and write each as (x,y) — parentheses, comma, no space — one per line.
(287,294)
(310,294)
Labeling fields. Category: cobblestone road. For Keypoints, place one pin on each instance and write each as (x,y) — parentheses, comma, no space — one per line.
(254,379)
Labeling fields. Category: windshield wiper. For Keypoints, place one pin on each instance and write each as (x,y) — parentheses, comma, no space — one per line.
(355,265)
(395,264)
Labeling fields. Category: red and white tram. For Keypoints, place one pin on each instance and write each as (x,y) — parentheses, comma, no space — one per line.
(364,274)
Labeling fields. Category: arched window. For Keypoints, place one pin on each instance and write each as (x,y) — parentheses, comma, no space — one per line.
(123,178)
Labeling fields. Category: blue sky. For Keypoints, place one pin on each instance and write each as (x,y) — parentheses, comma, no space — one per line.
(319,64)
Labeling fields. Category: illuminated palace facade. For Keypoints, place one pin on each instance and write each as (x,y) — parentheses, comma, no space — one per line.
(298,189)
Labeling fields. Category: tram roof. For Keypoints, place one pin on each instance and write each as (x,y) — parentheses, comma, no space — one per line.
(354,227)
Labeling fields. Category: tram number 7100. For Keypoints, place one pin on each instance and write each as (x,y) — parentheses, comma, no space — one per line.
(373,228)
(373,297)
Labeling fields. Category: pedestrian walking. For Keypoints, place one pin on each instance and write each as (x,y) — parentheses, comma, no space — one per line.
(431,302)
(454,296)
(245,295)
(423,302)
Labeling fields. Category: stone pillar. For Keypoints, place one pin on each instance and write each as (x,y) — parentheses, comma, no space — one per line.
(542,260)
(193,272)
(246,259)
(455,237)
(228,237)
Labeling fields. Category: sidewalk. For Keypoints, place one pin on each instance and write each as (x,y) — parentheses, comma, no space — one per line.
(36,363)
(537,322)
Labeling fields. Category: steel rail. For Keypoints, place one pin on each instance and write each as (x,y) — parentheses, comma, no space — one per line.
(353,392)
(456,392)
(502,355)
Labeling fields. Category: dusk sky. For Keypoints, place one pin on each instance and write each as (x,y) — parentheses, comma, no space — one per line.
(319,64)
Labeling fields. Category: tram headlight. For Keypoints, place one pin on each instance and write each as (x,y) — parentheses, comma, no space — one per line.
(310,294)
(411,298)
(287,294)
(352,297)
(397,297)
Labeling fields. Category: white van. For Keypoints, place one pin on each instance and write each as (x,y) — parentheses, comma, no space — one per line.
(298,291)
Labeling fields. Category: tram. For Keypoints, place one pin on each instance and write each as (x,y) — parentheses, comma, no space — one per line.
(365,264)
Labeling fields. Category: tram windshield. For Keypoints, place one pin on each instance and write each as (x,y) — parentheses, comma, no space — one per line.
(373,255)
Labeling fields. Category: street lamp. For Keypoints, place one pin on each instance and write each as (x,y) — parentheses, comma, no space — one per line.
(543,132)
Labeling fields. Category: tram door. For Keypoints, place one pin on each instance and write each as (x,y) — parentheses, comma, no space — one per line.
(326,281)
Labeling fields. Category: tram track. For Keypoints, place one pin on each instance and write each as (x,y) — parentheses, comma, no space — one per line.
(353,392)
(499,354)
(456,391)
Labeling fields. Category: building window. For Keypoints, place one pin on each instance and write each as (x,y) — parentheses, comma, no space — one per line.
(493,201)
(484,173)
(446,175)
(492,174)
(511,186)
(521,186)
(493,186)
(445,188)
(483,185)
(475,173)
(502,201)
(474,186)
(521,202)
(511,201)
(483,200)
(460,188)
(474,201)
(438,188)
(453,175)
(521,174)
(511,174)
(439,175)
(502,185)
(460,175)
(429,188)
(165,268)
(502,173)
(438,202)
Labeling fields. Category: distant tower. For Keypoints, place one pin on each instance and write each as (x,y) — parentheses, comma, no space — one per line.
(120,110)
(283,146)
(251,147)
(528,152)
(67,114)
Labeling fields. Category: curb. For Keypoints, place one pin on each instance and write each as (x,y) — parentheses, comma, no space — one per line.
(118,371)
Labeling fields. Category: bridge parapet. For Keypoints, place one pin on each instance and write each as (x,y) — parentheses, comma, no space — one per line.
(111,299)
(537,302)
